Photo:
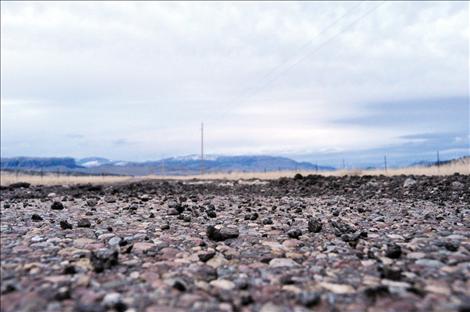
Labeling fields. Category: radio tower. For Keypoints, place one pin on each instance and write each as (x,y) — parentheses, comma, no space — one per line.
(202,148)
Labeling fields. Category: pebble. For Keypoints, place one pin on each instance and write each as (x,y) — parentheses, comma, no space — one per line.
(221,234)
(393,251)
(294,233)
(223,284)
(314,225)
(36,217)
(84,223)
(57,206)
(365,243)
(65,225)
(429,263)
(283,262)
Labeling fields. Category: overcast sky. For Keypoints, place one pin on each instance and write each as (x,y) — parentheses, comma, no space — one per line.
(309,80)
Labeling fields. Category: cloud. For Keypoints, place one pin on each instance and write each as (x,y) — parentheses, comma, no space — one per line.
(149,73)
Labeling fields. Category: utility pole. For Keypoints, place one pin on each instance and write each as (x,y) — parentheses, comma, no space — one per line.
(385,162)
(438,160)
(202,148)
(344,164)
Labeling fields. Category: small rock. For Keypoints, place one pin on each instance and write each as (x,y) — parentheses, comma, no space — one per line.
(338,288)
(271,307)
(37,239)
(70,269)
(84,222)
(65,225)
(283,262)
(145,198)
(114,241)
(309,299)
(294,233)
(456,185)
(179,284)
(211,214)
(393,251)
(222,234)
(267,221)
(104,259)
(20,185)
(452,245)
(429,263)
(206,256)
(314,225)
(57,206)
(114,301)
(223,284)
(36,217)
(63,293)
(409,182)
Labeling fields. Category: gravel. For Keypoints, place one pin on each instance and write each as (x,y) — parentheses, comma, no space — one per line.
(309,243)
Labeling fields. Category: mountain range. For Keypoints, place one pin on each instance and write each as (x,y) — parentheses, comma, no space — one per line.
(183,165)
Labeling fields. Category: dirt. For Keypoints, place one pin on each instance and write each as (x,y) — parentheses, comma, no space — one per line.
(310,243)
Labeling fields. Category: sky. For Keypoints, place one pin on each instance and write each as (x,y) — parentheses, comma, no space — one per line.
(314,81)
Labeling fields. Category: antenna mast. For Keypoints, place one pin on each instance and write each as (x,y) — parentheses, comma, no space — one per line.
(202,148)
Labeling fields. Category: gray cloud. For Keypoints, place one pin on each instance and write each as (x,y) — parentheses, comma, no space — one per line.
(149,73)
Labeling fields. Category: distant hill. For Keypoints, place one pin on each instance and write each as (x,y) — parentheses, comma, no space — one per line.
(427,163)
(170,166)
(38,163)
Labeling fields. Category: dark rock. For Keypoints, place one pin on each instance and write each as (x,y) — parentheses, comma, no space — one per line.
(57,206)
(211,214)
(19,185)
(390,273)
(254,216)
(314,225)
(8,287)
(104,259)
(206,256)
(222,234)
(65,225)
(452,245)
(294,233)
(63,293)
(85,223)
(393,251)
(267,221)
(378,291)
(179,284)
(92,307)
(340,228)
(70,269)
(309,299)
(36,217)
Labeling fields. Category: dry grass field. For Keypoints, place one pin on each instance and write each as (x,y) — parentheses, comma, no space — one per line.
(462,167)
(7,178)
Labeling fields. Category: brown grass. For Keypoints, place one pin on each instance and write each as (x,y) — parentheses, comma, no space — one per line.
(7,178)
(462,167)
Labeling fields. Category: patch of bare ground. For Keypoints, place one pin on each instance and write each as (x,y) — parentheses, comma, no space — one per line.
(352,243)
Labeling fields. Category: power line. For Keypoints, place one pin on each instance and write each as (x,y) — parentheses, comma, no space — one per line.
(304,46)
(318,48)
(202,148)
